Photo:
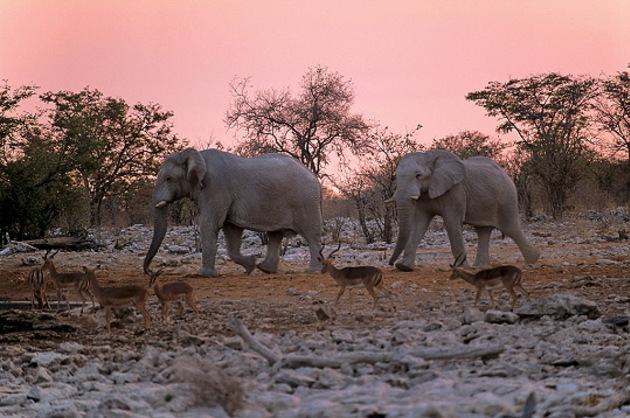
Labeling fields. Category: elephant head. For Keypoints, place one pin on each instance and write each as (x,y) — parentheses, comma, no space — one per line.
(181,175)
(421,176)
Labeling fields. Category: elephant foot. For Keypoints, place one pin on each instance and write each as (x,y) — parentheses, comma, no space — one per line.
(478,263)
(533,257)
(249,263)
(314,269)
(207,272)
(403,267)
(268,268)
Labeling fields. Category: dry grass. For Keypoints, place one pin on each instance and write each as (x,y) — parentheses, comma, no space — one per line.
(211,386)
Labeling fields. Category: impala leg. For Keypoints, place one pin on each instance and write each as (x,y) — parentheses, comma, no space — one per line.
(492,303)
(82,301)
(523,292)
(140,307)
(341,291)
(108,317)
(373,294)
(165,311)
(514,298)
(477,297)
(191,302)
(147,317)
(58,300)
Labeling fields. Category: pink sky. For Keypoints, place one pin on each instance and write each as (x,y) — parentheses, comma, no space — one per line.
(411,62)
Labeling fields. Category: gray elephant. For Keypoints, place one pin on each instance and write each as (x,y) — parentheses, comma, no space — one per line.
(475,191)
(272,193)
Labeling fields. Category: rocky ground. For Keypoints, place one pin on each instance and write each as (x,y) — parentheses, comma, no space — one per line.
(425,352)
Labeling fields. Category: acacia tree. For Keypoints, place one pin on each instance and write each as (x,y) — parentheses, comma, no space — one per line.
(468,144)
(612,108)
(10,122)
(549,113)
(33,189)
(110,144)
(309,126)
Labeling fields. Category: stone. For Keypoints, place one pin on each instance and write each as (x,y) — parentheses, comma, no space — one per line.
(501,317)
(559,306)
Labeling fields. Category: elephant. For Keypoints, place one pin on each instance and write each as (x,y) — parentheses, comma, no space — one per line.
(272,193)
(475,191)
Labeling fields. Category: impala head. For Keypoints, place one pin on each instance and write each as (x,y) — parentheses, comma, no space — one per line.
(88,270)
(326,260)
(48,258)
(153,276)
(455,272)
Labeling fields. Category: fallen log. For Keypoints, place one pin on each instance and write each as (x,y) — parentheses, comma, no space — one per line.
(240,329)
(64,243)
(410,358)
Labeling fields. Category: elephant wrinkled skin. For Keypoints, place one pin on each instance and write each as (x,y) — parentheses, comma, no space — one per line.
(272,193)
(475,191)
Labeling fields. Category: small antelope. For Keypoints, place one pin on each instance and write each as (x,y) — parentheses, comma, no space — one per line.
(491,279)
(353,277)
(37,281)
(113,297)
(64,282)
(173,292)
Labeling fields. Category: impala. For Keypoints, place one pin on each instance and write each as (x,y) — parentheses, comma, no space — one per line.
(352,277)
(37,282)
(64,282)
(114,297)
(172,292)
(491,279)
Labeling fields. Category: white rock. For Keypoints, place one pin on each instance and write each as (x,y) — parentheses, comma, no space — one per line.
(501,317)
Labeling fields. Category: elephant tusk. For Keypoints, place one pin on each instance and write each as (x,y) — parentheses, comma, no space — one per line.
(390,200)
(161,204)
(415,197)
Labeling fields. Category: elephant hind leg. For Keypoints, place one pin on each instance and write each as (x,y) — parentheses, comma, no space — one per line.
(270,263)
(483,245)
(233,236)
(530,253)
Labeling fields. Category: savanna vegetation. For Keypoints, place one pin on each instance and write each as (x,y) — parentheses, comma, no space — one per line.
(83,159)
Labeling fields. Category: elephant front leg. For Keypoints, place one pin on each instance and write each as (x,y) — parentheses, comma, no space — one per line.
(233,236)
(408,260)
(208,252)
(270,264)
(456,237)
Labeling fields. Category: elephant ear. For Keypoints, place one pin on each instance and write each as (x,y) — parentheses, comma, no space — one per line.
(448,170)
(196,166)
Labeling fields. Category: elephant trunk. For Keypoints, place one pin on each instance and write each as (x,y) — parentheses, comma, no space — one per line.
(404,226)
(159,231)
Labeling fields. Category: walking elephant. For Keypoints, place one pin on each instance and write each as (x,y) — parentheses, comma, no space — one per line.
(272,193)
(475,191)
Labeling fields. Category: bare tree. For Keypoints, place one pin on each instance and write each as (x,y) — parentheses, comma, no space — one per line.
(371,182)
(308,127)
